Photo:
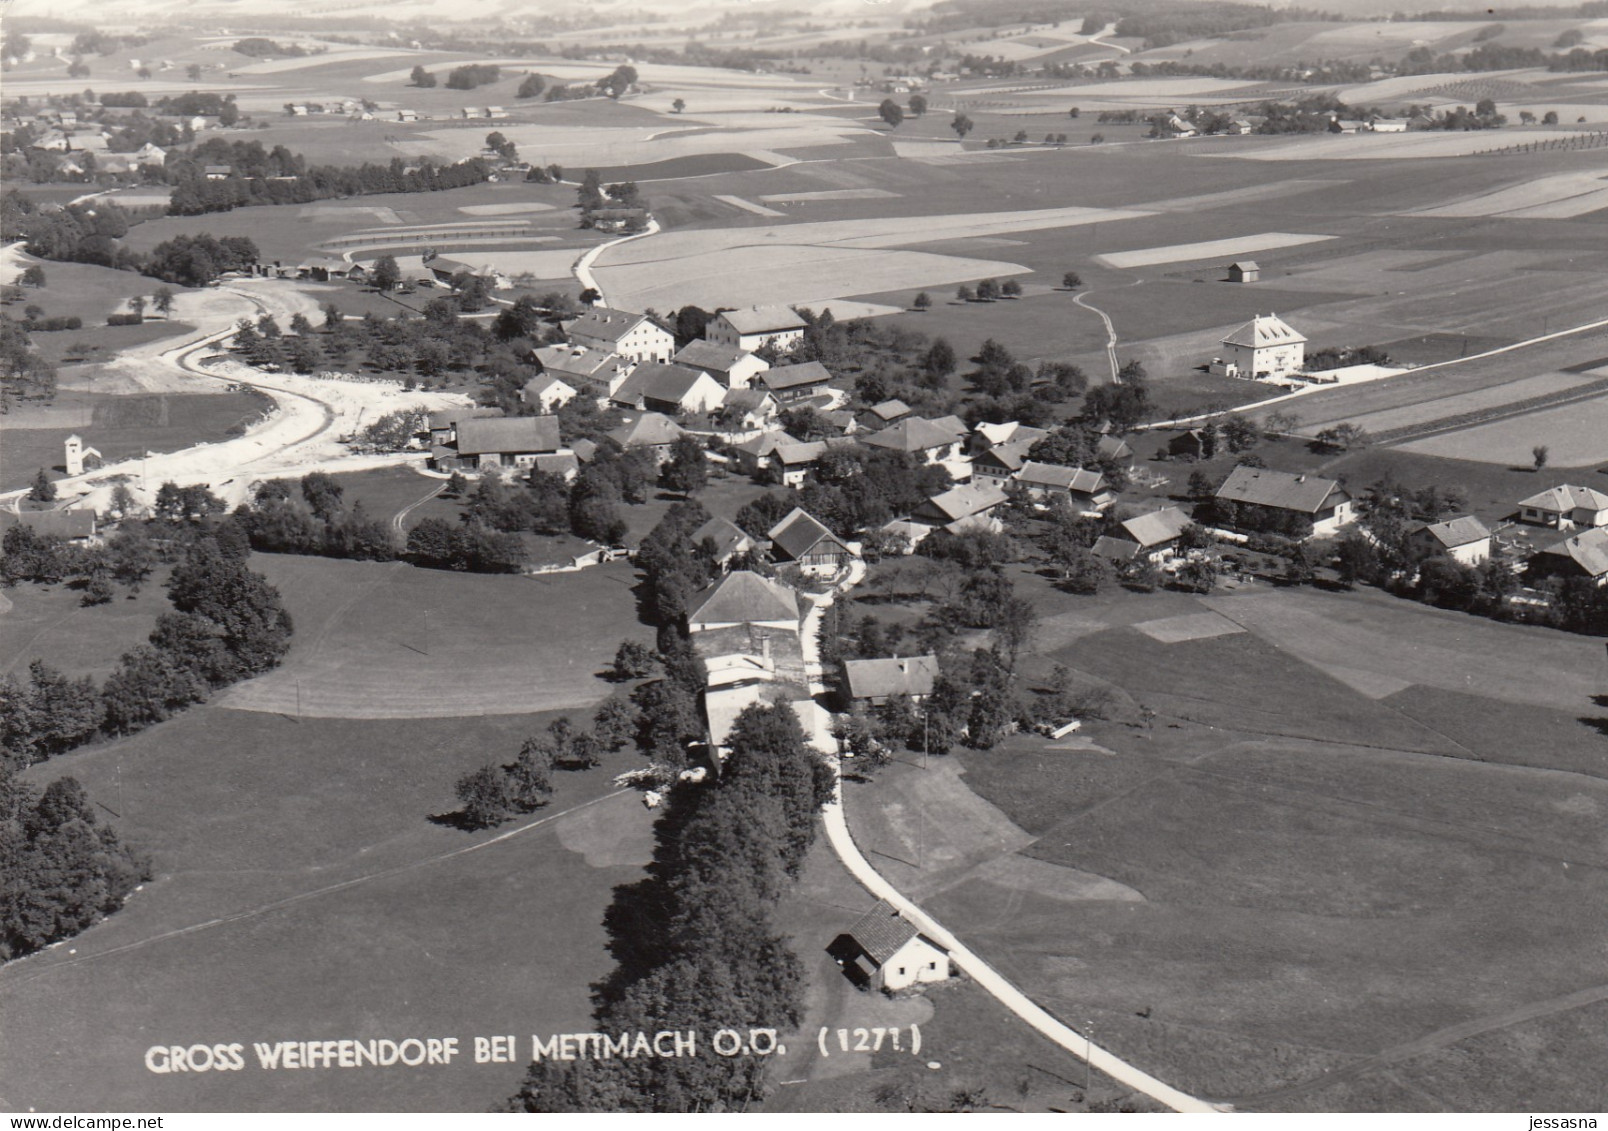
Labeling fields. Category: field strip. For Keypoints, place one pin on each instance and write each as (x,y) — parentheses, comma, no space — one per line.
(1582,205)
(1521,199)
(1575,432)
(1442,408)
(826,194)
(302,897)
(1206,249)
(1251,195)
(508,209)
(748,205)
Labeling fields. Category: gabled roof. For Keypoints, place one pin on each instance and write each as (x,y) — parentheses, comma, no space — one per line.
(881,932)
(1264,487)
(447,417)
(556,463)
(1011,432)
(1464,530)
(508,434)
(604,324)
(1565,498)
(800,451)
(1244,265)
(1112,447)
(960,502)
(711,356)
(57,523)
(749,400)
(1084,481)
(907,675)
(764,444)
(648,430)
(1157,527)
(658,381)
(580,360)
(954,425)
(544,381)
(1588,550)
(744,597)
(1009,456)
(780,377)
(1262,331)
(763,319)
(912,434)
(728,537)
(890,410)
(800,532)
(1115,549)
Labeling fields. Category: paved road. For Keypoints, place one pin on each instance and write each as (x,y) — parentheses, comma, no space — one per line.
(583,265)
(1111,335)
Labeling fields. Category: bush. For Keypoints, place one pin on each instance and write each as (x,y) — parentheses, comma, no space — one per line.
(124,319)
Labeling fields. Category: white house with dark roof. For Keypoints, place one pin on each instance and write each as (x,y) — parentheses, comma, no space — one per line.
(876,681)
(743,597)
(633,336)
(1584,554)
(546,393)
(1084,488)
(733,367)
(1321,501)
(1565,507)
(755,327)
(652,430)
(669,388)
(596,372)
(1266,346)
(727,538)
(1464,539)
(932,440)
(506,441)
(885,951)
(795,382)
(965,508)
(1150,537)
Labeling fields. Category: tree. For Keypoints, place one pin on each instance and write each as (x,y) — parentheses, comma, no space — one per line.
(1010,288)
(923,301)
(162,300)
(487,797)
(632,660)
(1538,455)
(421,77)
(962,126)
(1071,280)
(136,305)
(965,294)
(228,113)
(614,722)
(386,274)
(687,470)
(891,113)
(193,72)
(323,494)
(43,490)
(531,86)
(987,290)
(33,276)
(679,105)
(918,104)
(1550,118)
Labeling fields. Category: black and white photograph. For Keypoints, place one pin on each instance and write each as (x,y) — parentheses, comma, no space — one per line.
(779,557)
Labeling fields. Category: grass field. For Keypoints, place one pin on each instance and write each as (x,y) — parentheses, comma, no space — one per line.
(391,641)
(49,623)
(1576,435)
(120,426)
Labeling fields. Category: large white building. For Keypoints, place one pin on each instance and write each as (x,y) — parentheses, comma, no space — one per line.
(633,336)
(756,327)
(1266,346)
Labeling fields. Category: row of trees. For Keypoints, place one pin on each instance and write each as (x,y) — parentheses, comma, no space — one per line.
(695,942)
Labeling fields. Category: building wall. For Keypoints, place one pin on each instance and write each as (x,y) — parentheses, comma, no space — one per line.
(1274,360)
(917,962)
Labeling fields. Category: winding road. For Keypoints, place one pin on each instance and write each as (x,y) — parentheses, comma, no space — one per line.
(1111,334)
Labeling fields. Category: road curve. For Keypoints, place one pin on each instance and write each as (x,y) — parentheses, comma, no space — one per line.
(1111,334)
(583,265)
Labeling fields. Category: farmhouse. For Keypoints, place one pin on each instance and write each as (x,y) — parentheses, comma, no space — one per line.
(801,538)
(986,436)
(443,426)
(1579,555)
(634,336)
(876,681)
(1001,462)
(669,388)
(795,382)
(742,598)
(1266,346)
(1187,445)
(1113,448)
(1321,501)
(1389,126)
(965,508)
(753,455)
(1085,489)
(732,367)
(887,952)
(884,414)
(1463,539)
(507,441)
(748,408)
(1244,271)
(727,538)
(915,435)
(599,372)
(546,393)
(756,327)
(68,525)
(652,430)
(793,460)
(1151,537)
(1565,507)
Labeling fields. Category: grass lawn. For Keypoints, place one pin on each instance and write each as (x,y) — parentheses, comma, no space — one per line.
(88,291)
(120,426)
(393,641)
(50,623)
(302,893)
(98,342)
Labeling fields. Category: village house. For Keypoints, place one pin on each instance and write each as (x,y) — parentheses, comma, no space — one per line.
(599,373)
(733,367)
(1151,537)
(442,427)
(1187,445)
(1266,346)
(563,463)
(793,461)
(1000,463)
(801,538)
(874,682)
(1464,539)
(652,430)
(1113,448)
(934,441)
(744,599)
(506,441)
(1244,271)
(727,538)
(1321,501)
(669,388)
(633,336)
(756,327)
(75,526)
(1579,555)
(788,383)
(546,393)
(887,952)
(748,408)
(1083,488)
(754,455)
(986,435)
(882,415)
(960,509)
(1565,507)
